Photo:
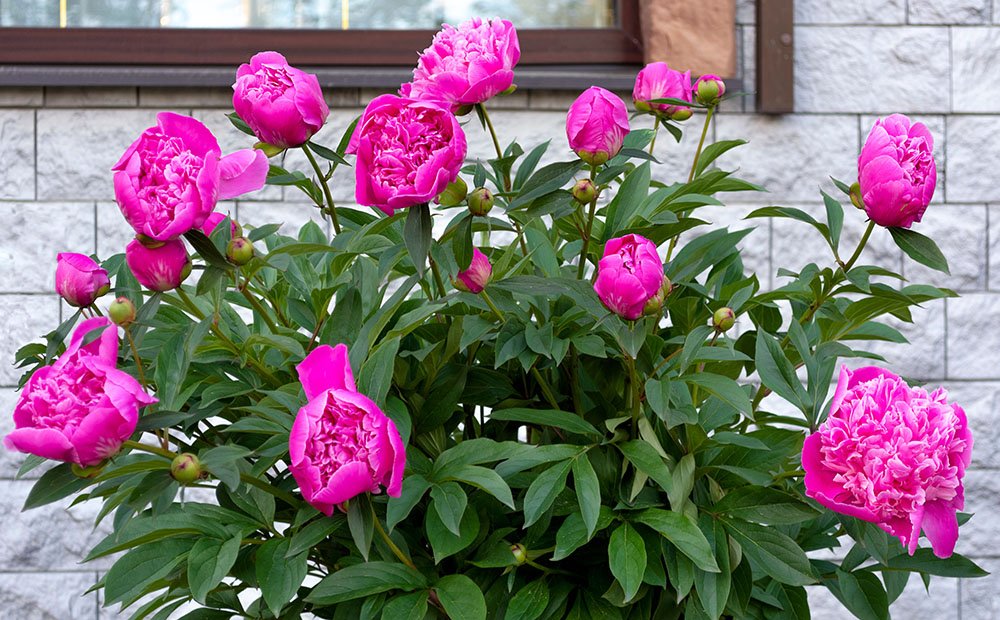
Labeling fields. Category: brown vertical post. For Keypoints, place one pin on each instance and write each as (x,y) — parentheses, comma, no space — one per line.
(775,56)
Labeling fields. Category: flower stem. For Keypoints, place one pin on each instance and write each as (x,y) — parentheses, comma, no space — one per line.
(259,308)
(135,445)
(331,208)
(582,266)
(656,131)
(506,174)
(290,499)
(135,355)
(861,246)
(437,277)
(694,167)
(396,551)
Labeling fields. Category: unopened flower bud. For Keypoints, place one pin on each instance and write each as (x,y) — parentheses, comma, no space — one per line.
(681,115)
(709,88)
(185,468)
(723,319)
(122,311)
(480,201)
(584,191)
(519,552)
(475,278)
(454,194)
(269,149)
(239,251)
(856,199)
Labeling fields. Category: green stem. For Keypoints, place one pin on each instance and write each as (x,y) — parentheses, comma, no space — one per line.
(694,167)
(861,246)
(506,175)
(259,308)
(135,355)
(656,131)
(332,210)
(582,266)
(281,494)
(437,277)
(135,445)
(396,551)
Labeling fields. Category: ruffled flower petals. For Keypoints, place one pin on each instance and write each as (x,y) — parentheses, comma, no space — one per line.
(242,172)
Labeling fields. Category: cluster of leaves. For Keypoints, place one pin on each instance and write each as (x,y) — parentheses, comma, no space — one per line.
(561,462)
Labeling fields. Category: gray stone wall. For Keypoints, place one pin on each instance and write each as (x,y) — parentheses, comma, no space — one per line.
(936,60)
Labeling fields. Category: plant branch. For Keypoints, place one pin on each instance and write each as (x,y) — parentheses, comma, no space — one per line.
(331,208)
(396,551)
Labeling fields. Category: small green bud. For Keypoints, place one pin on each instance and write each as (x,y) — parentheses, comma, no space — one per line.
(681,115)
(723,319)
(239,251)
(856,199)
(520,553)
(185,468)
(122,311)
(454,194)
(269,149)
(584,191)
(480,201)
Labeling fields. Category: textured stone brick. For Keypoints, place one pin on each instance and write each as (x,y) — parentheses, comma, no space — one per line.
(970,354)
(975,69)
(746,11)
(47,596)
(982,498)
(77,147)
(834,64)
(993,251)
(940,603)
(855,12)
(36,233)
(342,183)
(26,318)
(17,157)
(180,98)
(971,159)
(791,156)
(26,96)
(73,97)
(981,597)
(923,356)
(949,11)
(11,461)
(981,402)
(51,537)
(960,232)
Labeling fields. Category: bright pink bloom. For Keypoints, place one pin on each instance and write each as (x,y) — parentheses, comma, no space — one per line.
(161,268)
(658,81)
(214,220)
(466,65)
(596,125)
(408,152)
(79,279)
(283,105)
(892,455)
(168,181)
(341,444)
(81,408)
(896,171)
(477,276)
(629,275)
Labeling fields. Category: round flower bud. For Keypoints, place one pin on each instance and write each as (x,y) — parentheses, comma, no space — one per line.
(186,468)
(584,191)
(480,201)
(723,319)
(239,251)
(454,194)
(709,88)
(122,311)
(681,115)
(856,199)
(519,552)
(475,278)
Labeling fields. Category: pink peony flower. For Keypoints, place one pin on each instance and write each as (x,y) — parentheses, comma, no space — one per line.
(341,444)
(283,105)
(896,171)
(161,268)
(596,125)
(214,220)
(892,455)
(81,408)
(79,279)
(168,181)
(658,81)
(408,152)
(466,65)
(477,276)
(629,275)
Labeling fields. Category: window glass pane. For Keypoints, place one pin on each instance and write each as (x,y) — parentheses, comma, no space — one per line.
(326,14)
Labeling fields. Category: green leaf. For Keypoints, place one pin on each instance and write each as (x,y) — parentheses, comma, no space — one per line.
(417,235)
(328,154)
(646,459)
(771,552)
(547,179)
(683,532)
(627,558)
(834,219)
(365,579)
(713,152)
(764,505)
(543,491)
(221,463)
(485,479)
(209,561)
(627,201)
(312,534)
(863,595)
(207,250)
(588,492)
(530,601)
(920,248)
(461,243)
(361,523)
(133,572)
(777,373)
(714,588)
(461,598)
(547,417)
(407,606)
(414,487)
(54,485)
(238,123)
(278,576)
(375,377)
(443,541)
(925,561)
(725,388)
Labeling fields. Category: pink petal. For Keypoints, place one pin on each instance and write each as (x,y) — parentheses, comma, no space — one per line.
(242,172)
(941,527)
(326,368)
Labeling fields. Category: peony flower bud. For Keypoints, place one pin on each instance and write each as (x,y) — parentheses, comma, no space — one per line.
(681,115)
(709,88)
(658,81)
(454,194)
(239,251)
(79,279)
(596,125)
(629,275)
(896,171)
(519,552)
(158,269)
(122,311)
(480,201)
(185,468)
(723,319)
(477,276)
(584,191)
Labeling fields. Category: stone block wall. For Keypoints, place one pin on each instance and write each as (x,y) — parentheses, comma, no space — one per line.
(936,60)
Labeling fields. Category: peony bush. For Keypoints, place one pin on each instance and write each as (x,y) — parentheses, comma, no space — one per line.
(557,394)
